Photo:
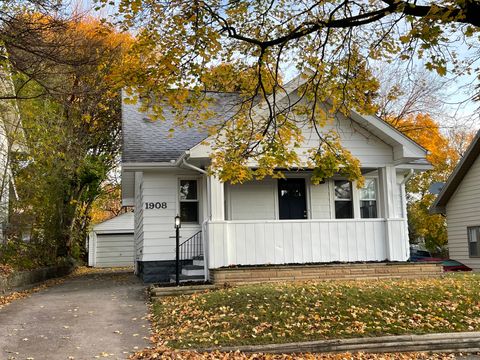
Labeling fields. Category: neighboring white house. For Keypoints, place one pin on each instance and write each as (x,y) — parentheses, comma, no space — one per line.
(110,243)
(459,200)
(263,222)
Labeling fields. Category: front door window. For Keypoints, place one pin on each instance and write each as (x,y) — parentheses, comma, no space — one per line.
(291,199)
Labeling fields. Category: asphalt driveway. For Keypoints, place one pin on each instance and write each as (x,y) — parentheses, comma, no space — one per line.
(87,317)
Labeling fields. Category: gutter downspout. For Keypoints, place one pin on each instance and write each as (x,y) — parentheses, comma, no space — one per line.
(406,178)
(193,167)
(209,209)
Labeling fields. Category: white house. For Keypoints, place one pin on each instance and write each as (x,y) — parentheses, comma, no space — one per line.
(459,200)
(110,243)
(263,222)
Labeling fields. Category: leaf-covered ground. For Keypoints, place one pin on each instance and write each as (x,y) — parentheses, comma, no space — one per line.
(279,313)
(165,353)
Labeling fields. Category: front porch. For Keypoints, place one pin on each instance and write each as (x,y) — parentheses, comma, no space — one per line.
(256,242)
(292,221)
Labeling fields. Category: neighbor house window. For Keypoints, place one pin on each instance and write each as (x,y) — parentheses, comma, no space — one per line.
(189,201)
(343,199)
(473,240)
(368,199)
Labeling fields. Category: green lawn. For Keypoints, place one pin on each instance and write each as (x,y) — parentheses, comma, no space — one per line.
(275,313)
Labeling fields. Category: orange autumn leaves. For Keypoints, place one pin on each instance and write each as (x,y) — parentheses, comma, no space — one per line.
(426,132)
(444,151)
(166,353)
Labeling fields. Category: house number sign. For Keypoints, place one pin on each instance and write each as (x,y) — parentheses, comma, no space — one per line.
(155,205)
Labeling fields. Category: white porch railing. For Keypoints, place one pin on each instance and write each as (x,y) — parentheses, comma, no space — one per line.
(254,242)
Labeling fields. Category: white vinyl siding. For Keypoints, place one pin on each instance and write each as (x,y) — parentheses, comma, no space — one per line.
(369,149)
(399,195)
(158,224)
(320,200)
(113,250)
(463,211)
(251,242)
(252,200)
(258,200)
(138,216)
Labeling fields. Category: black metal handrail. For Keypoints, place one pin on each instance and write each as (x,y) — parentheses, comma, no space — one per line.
(192,247)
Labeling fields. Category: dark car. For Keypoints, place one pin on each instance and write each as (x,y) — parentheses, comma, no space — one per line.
(422,255)
(454,265)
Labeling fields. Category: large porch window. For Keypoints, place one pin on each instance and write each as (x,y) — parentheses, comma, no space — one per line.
(343,199)
(365,200)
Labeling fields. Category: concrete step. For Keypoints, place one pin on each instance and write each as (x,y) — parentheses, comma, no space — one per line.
(193,270)
(199,262)
(156,291)
(188,278)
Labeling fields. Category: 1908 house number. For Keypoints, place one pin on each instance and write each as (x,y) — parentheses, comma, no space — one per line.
(155,205)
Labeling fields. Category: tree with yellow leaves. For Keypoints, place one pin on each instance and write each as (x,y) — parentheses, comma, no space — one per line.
(330,42)
(443,154)
(71,118)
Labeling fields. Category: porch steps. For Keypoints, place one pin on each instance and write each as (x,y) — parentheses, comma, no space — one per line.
(198,261)
(192,273)
(187,278)
(157,291)
(192,270)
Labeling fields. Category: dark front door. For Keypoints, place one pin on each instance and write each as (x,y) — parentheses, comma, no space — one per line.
(291,199)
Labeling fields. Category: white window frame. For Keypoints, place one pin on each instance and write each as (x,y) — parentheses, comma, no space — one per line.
(352,199)
(475,229)
(355,198)
(197,200)
(376,198)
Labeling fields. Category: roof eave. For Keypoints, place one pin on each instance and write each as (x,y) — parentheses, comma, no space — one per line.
(136,166)
(436,209)
(395,137)
(457,175)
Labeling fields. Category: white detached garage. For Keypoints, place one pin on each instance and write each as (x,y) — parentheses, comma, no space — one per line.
(110,244)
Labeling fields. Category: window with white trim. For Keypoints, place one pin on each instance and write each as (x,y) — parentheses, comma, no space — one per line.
(473,240)
(368,199)
(188,194)
(343,199)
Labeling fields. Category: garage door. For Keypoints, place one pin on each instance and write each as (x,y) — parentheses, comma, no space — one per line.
(114,250)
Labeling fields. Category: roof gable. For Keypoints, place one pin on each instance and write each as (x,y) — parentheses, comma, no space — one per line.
(146,141)
(122,222)
(458,174)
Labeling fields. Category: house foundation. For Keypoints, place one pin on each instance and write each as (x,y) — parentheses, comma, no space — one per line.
(364,271)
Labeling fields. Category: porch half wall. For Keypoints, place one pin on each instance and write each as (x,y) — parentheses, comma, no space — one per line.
(251,242)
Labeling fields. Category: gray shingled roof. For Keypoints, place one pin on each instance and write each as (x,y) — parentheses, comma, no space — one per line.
(150,141)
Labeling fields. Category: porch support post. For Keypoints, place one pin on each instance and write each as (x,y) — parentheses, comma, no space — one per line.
(388,182)
(217,199)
